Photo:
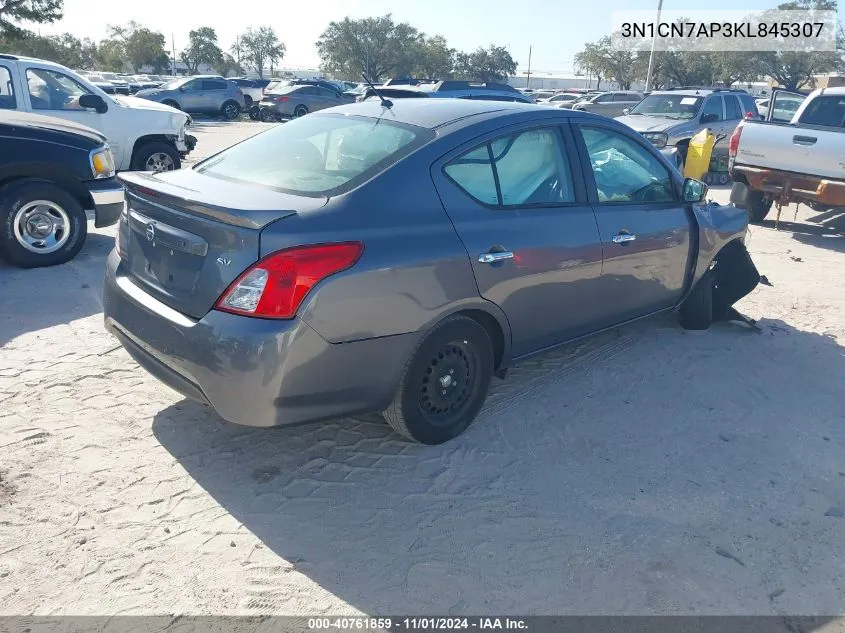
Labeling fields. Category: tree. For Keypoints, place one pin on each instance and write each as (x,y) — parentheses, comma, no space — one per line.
(111,55)
(603,59)
(591,61)
(375,46)
(434,58)
(485,64)
(227,65)
(63,49)
(261,48)
(37,11)
(202,49)
(141,46)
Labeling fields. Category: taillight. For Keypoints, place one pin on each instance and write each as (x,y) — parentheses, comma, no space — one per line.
(733,143)
(282,99)
(274,287)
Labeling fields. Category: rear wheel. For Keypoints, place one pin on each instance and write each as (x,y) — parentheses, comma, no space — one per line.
(254,113)
(231,110)
(300,110)
(758,206)
(156,156)
(40,225)
(444,384)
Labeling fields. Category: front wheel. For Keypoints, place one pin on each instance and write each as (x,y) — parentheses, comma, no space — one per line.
(696,311)
(156,156)
(444,384)
(40,225)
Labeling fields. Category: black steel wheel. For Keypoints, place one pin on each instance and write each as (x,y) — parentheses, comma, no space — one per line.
(444,384)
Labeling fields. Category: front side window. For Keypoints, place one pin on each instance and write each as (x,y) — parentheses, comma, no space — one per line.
(713,106)
(51,90)
(317,155)
(7,90)
(624,170)
(530,169)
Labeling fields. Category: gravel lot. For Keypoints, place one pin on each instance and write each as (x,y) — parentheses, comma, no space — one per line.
(645,471)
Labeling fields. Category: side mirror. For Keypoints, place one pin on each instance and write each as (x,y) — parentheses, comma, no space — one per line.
(182,88)
(93,102)
(626,111)
(694,190)
(709,117)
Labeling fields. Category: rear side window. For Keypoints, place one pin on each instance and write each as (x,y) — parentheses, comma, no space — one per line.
(317,155)
(307,90)
(213,84)
(825,111)
(7,90)
(748,105)
(524,169)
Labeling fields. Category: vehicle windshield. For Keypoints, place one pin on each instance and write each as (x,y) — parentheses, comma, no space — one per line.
(277,85)
(109,76)
(317,155)
(670,106)
(173,84)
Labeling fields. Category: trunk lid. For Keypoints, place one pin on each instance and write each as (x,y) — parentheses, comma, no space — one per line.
(189,235)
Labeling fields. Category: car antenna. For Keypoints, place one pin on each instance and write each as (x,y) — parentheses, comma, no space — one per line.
(384,102)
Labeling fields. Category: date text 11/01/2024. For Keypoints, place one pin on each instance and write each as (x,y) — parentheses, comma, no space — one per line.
(418,624)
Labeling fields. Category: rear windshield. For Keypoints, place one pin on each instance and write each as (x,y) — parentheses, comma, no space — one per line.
(825,110)
(317,155)
(669,106)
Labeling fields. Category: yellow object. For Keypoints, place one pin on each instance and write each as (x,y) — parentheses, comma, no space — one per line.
(699,153)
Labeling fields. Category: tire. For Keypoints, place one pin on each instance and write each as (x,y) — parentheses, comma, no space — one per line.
(255,113)
(55,231)
(156,156)
(300,110)
(268,116)
(171,103)
(247,102)
(230,110)
(758,206)
(462,350)
(696,312)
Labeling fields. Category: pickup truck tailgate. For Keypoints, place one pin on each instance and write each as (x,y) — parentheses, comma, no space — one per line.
(794,148)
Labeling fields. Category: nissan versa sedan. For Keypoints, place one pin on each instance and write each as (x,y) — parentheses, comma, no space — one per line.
(395,257)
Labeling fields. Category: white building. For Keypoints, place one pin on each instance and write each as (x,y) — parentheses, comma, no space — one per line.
(562,81)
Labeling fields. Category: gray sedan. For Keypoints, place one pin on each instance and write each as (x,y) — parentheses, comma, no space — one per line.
(204,94)
(394,259)
(285,102)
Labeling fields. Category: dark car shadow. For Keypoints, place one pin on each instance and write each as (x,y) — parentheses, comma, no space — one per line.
(824,229)
(647,470)
(38,298)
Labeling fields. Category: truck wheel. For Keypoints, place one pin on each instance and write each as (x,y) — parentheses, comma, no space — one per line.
(758,206)
(40,225)
(444,384)
(696,311)
(156,156)
(231,110)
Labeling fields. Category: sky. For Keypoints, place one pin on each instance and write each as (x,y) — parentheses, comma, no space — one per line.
(555,29)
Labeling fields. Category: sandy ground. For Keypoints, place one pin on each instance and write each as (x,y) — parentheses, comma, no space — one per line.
(645,471)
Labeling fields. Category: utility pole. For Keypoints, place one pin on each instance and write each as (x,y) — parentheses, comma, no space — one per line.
(653,42)
(173,48)
(528,74)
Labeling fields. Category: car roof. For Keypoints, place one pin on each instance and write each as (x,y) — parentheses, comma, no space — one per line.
(435,113)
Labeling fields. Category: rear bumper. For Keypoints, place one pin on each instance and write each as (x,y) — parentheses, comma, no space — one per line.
(256,372)
(788,186)
(107,195)
(282,109)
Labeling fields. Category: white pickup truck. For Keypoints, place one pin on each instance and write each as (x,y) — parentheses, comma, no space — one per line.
(799,161)
(143,135)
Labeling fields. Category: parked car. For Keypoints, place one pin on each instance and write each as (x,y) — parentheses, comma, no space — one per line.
(51,172)
(121,86)
(453,89)
(557,100)
(584,96)
(251,91)
(201,94)
(788,104)
(278,282)
(298,100)
(670,118)
(799,161)
(610,104)
(142,135)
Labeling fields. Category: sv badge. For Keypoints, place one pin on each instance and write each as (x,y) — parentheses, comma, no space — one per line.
(223,261)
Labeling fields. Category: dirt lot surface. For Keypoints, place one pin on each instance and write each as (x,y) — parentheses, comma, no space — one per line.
(649,470)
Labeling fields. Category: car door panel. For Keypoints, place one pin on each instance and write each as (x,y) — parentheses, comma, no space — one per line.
(552,253)
(646,242)
(191,97)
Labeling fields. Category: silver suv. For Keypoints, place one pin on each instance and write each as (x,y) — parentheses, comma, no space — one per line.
(610,104)
(203,94)
(670,118)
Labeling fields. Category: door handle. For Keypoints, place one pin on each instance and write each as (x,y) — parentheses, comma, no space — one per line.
(804,140)
(623,238)
(492,258)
